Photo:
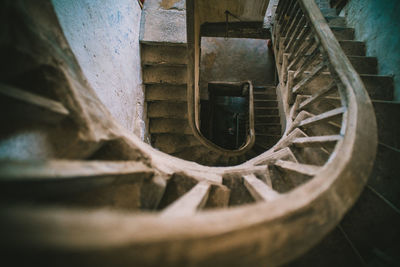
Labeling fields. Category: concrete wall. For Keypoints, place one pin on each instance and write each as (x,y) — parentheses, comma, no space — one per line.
(234,60)
(104,36)
(377,22)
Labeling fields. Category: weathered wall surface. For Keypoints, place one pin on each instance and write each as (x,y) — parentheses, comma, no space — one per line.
(234,60)
(104,36)
(377,22)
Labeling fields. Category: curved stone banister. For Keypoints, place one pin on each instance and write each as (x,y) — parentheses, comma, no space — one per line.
(120,205)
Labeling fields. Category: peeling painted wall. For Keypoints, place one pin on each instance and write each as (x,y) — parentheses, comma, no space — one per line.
(104,36)
(233,60)
(377,22)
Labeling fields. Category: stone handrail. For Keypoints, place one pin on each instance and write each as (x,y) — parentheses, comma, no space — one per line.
(270,232)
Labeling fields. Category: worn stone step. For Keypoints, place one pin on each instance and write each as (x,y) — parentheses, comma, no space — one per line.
(332,251)
(166,109)
(163,54)
(271,95)
(164,74)
(343,33)
(387,116)
(265,111)
(267,141)
(335,21)
(328,12)
(171,143)
(267,119)
(384,175)
(167,92)
(364,65)
(378,87)
(176,126)
(163,24)
(265,103)
(373,228)
(268,129)
(353,48)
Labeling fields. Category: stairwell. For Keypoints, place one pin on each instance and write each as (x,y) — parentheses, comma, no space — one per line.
(164,60)
(108,199)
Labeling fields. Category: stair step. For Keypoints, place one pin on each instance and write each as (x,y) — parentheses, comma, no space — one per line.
(335,21)
(384,175)
(258,189)
(165,92)
(19,104)
(166,109)
(343,33)
(175,126)
(353,48)
(264,96)
(165,74)
(387,117)
(161,25)
(171,143)
(379,87)
(268,129)
(265,103)
(83,183)
(373,228)
(267,119)
(265,111)
(265,89)
(306,169)
(316,140)
(189,203)
(163,54)
(328,12)
(364,65)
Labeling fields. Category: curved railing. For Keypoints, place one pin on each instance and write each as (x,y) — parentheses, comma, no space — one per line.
(296,203)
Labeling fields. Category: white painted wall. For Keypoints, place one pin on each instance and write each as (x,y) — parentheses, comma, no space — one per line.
(104,36)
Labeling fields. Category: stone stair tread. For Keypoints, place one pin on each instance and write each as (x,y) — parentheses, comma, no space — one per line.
(384,176)
(163,54)
(387,114)
(160,25)
(353,48)
(379,87)
(164,74)
(165,92)
(167,109)
(173,126)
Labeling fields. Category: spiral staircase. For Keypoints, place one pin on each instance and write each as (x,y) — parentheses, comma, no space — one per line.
(103,197)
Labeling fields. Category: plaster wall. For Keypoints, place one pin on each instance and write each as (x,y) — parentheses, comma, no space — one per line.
(377,22)
(104,36)
(234,60)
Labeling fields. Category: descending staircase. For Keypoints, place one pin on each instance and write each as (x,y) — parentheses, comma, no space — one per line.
(267,120)
(164,63)
(109,199)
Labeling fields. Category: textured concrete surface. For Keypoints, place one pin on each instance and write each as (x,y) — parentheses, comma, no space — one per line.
(234,60)
(164,21)
(104,36)
(377,22)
